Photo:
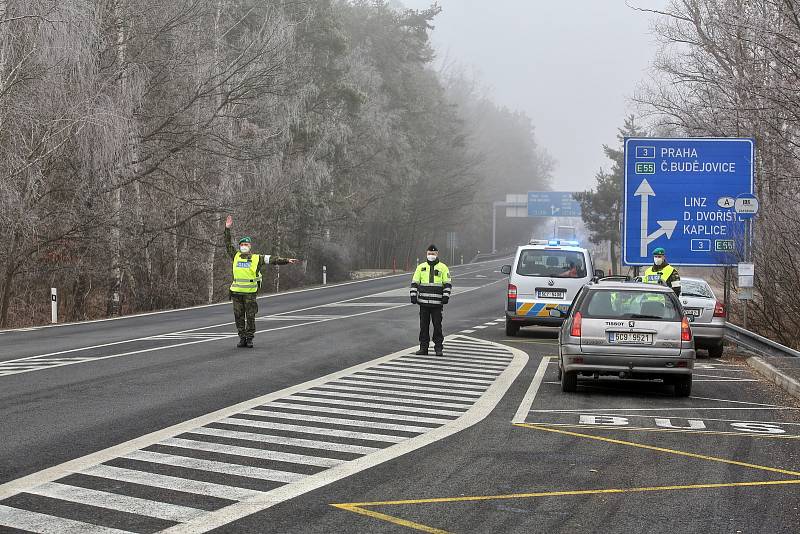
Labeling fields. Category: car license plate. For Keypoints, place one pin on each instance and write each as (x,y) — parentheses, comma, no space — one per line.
(550,294)
(693,312)
(630,338)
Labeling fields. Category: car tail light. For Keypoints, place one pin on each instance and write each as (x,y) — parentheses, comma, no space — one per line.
(686,331)
(576,325)
(719,310)
(512,292)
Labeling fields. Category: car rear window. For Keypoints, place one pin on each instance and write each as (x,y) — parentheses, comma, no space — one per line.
(629,304)
(693,288)
(552,263)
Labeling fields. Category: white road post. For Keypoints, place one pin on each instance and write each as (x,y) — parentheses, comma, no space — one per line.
(324,275)
(53,305)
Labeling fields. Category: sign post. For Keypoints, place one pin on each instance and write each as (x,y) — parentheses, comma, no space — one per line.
(53,305)
(689,196)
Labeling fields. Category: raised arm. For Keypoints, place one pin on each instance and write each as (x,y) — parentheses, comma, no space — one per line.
(228,240)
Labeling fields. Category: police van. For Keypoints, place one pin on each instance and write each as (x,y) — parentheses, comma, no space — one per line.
(546,274)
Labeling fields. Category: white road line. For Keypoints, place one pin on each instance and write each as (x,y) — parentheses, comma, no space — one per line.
(737,402)
(473,358)
(250,452)
(727,380)
(324,395)
(396,391)
(452,363)
(364,413)
(479,327)
(216,467)
(302,429)
(49,524)
(114,501)
(282,440)
(405,383)
(440,376)
(441,369)
(364,304)
(169,482)
(476,347)
(633,415)
(474,415)
(378,405)
(336,421)
(491,323)
(530,395)
(468,331)
(467,354)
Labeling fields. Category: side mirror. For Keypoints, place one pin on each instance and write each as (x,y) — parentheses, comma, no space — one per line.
(599,273)
(505,269)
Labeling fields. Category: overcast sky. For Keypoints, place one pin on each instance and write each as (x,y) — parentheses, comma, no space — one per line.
(571,65)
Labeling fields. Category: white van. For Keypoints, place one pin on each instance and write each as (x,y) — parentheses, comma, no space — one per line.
(546,274)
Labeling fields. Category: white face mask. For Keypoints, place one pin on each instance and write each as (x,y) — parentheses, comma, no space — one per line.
(658,261)
(244,249)
(432,257)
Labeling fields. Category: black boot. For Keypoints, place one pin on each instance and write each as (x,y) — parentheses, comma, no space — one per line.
(439,352)
(422,352)
(242,343)
(249,342)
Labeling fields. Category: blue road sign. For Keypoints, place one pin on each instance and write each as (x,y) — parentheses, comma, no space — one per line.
(552,204)
(680,194)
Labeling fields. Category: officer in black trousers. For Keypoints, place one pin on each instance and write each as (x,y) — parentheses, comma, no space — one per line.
(430,288)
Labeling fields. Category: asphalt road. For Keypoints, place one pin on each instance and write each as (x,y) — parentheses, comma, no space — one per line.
(157,423)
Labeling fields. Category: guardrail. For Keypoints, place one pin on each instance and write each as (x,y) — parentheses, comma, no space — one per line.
(756,343)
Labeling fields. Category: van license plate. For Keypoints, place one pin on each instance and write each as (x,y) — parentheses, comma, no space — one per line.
(630,338)
(550,294)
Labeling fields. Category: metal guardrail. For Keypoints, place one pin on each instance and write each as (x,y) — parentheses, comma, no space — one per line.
(757,343)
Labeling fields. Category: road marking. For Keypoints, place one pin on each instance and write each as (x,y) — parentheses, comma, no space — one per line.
(359,508)
(479,327)
(468,331)
(671,430)
(737,402)
(530,395)
(663,409)
(661,449)
(235,445)
(113,501)
(12,367)
(49,524)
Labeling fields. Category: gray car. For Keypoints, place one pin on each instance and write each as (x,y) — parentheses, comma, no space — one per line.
(628,330)
(706,314)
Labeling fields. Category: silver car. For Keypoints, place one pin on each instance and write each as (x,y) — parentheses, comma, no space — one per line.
(706,314)
(628,330)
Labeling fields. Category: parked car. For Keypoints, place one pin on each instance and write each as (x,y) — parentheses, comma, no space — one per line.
(545,275)
(629,330)
(706,313)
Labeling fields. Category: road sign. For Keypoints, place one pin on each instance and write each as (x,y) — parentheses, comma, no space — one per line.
(552,204)
(681,194)
(746,205)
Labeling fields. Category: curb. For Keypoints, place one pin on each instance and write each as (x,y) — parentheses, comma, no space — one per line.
(773,374)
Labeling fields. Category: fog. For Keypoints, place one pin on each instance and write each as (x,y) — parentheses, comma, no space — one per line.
(571,66)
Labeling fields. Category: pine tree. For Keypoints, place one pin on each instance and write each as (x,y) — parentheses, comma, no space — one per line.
(601,207)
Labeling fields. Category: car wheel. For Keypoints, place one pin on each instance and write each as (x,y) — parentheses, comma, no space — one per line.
(511,328)
(569,382)
(716,351)
(683,386)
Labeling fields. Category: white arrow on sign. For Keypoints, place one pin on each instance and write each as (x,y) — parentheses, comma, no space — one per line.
(664,227)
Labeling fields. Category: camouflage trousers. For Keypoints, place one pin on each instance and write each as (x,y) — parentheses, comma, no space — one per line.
(245,308)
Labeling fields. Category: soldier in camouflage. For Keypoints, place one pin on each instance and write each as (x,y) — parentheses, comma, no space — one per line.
(247,275)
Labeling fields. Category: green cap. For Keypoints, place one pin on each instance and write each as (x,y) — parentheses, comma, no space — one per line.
(245,240)
(659,251)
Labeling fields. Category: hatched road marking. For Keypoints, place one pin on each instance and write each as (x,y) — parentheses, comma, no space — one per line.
(248,457)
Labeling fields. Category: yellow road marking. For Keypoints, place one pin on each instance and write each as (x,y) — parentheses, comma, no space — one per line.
(474,498)
(660,449)
(685,431)
(390,518)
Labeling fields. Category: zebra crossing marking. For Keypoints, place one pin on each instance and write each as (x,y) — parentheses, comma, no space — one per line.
(297,439)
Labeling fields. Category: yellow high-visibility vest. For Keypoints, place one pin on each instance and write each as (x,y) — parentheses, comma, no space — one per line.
(245,273)
(651,276)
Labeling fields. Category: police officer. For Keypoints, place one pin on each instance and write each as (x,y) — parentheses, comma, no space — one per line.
(247,269)
(662,272)
(430,288)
